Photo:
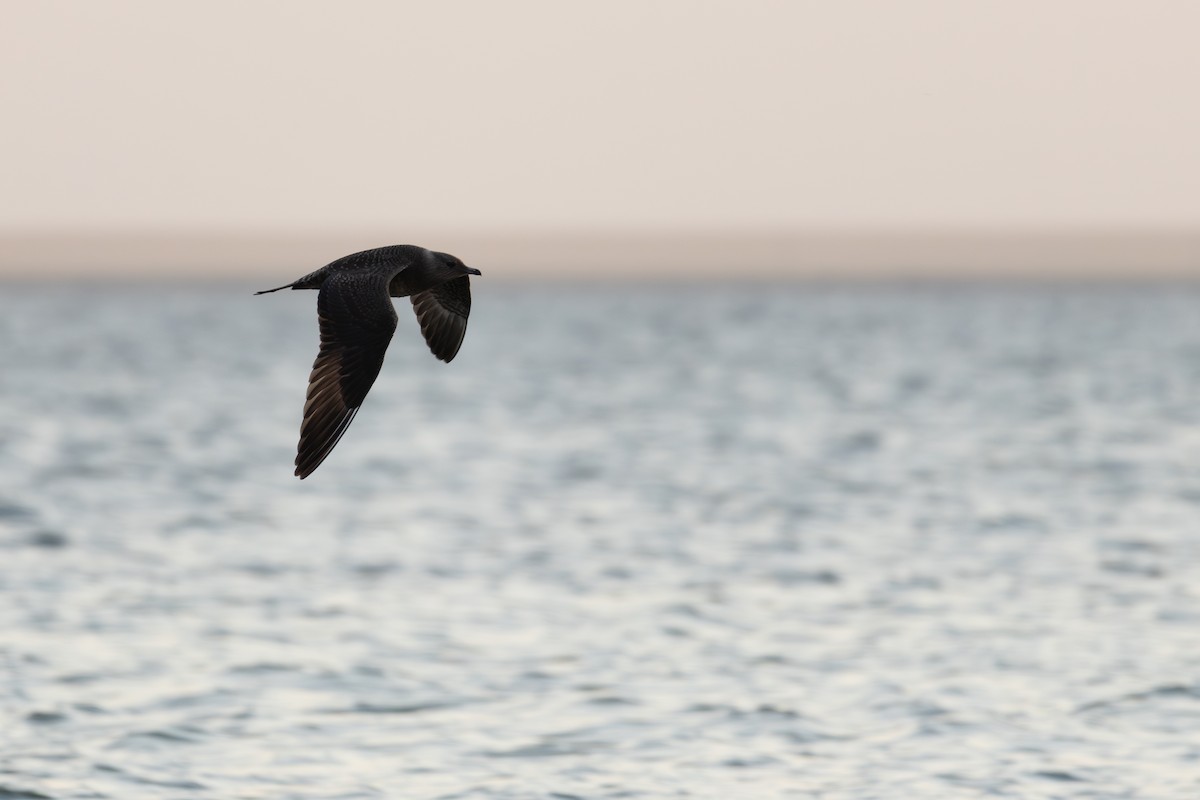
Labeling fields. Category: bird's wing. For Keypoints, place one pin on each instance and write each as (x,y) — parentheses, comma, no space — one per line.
(442,312)
(357,322)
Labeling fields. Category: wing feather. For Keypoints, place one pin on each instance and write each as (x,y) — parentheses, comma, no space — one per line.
(357,321)
(442,312)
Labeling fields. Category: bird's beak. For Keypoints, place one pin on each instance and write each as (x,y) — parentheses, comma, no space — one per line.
(473,271)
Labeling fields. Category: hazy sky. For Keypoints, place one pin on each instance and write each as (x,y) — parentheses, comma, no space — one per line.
(676,113)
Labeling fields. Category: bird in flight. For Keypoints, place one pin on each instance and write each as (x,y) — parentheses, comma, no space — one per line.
(357,319)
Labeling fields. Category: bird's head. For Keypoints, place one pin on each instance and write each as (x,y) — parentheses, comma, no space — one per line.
(451,266)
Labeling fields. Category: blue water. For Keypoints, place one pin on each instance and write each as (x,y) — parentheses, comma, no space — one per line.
(633,543)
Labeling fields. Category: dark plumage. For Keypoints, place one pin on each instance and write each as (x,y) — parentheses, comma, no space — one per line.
(357,321)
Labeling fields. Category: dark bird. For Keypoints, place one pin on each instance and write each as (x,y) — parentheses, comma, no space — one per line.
(357,321)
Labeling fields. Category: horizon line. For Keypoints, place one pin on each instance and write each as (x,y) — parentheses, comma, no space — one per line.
(770,253)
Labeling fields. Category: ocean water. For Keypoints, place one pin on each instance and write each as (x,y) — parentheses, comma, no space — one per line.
(635,542)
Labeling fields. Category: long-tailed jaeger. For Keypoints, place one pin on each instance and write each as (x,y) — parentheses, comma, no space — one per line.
(357,321)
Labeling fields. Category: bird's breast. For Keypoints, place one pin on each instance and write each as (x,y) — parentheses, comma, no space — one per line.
(403,285)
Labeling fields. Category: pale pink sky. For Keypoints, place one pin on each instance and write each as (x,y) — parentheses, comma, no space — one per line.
(642,114)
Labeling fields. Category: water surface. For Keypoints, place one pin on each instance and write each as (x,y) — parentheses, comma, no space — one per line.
(781,542)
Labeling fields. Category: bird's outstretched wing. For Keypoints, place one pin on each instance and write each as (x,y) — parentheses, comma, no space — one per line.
(357,322)
(442,312)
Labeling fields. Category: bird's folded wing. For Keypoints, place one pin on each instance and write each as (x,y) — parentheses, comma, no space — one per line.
(357,322)
(442,312)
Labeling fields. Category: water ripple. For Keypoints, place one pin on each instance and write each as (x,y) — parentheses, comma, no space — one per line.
(835,543)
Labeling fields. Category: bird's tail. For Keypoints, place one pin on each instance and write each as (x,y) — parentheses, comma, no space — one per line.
(277,288)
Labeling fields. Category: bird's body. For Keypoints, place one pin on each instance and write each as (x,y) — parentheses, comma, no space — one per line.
(357,321)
